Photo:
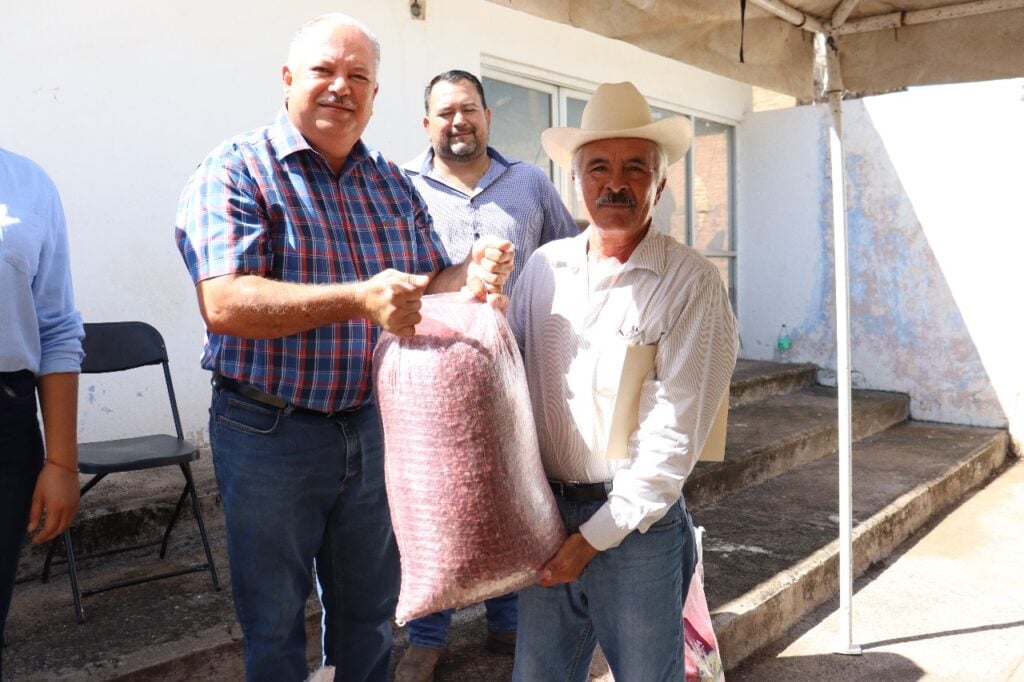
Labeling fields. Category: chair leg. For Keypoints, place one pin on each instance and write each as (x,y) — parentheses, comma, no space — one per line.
(53,545)
(174,519)
(73,575)
(198,513)
(45,577)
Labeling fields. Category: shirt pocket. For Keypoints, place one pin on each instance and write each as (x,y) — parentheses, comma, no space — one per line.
(608,368)
(21,244)
(390,241)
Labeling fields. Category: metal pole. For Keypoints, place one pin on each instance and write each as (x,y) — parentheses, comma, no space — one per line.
(794,16)
(884,22)
(843,374)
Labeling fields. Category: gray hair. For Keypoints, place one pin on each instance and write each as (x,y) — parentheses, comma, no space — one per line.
(338,19)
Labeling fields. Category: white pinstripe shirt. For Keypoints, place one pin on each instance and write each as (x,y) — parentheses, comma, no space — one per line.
(572,323)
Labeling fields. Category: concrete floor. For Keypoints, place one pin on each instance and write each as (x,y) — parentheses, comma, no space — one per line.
(949,606)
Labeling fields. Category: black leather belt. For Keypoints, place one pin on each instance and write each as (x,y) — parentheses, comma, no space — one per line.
(253,393)
(573,491)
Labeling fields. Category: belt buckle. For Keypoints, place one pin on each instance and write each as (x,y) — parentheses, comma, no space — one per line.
(563,488)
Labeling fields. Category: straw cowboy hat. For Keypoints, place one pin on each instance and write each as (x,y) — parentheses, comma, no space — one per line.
(618,110)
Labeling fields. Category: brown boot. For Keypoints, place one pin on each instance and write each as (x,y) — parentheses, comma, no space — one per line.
(418,663)
(500,642)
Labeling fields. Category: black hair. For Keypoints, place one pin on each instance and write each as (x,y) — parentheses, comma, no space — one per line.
(453,76)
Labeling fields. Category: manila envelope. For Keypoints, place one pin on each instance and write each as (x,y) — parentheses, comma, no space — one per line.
(638,362)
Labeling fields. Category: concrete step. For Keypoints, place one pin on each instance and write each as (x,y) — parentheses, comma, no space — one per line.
(771,554)
(755,380)
(127,630)
(181,629)
(770,558)
(946,605)
(126,509)
(769,437)
(771,550)
(129,508)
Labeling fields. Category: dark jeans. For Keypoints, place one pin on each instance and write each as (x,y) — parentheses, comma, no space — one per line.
(431,631)
(629,599)
(21,458)
(300,490)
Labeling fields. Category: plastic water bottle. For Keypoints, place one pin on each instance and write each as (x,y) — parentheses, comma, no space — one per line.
(783,343)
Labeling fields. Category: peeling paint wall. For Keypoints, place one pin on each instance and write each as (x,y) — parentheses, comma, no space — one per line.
(120,100)
(936,239)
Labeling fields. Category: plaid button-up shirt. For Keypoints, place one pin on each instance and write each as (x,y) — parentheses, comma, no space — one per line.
(266,203)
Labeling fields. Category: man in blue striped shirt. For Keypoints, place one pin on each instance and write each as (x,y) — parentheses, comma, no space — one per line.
(303,244)
(472,191)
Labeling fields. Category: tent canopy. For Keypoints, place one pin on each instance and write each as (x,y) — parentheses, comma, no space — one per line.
(882,45)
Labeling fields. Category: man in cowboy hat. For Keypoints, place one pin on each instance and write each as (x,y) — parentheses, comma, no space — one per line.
(584,309)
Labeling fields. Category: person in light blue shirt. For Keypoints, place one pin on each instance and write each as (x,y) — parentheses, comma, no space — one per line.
(40,351)
(472,191)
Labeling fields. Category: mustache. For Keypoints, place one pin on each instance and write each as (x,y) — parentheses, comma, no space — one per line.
(620,198)
(344,100)
(462,131)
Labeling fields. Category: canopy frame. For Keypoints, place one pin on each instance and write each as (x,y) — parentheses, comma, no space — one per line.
(836,24)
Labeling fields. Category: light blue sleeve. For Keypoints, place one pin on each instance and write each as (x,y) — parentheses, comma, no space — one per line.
(558,222)
(60,324)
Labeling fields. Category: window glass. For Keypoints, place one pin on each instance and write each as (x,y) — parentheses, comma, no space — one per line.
(574,119)
(671,215)
(519,116)
(574,112)
(712,190)
(726,267)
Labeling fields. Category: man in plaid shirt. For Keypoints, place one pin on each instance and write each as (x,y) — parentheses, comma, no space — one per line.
(304,243)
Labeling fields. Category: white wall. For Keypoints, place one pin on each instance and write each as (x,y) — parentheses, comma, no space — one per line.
(119,100)
(785,263)
(934,179)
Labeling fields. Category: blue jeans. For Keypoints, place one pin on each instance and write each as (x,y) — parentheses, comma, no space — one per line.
(431,631)
(629,599)
(301,490)
(22,458)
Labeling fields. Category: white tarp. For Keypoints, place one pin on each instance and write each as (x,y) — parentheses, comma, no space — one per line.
(778,55)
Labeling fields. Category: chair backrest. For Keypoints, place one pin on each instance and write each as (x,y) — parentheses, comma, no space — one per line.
(117,346)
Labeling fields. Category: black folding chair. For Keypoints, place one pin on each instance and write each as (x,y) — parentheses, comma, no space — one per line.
(115,347)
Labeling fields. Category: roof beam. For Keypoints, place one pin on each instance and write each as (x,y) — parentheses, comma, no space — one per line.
(794,16)
(842,13)
(899,19)
(838,24)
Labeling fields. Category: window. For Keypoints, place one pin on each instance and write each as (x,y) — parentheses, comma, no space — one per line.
(712,229)
(520,112)
(697,205)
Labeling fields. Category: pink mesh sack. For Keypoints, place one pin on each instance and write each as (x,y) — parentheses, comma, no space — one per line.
(473,514)
(703,662)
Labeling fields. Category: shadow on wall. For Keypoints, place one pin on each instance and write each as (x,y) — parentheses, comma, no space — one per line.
(918,324)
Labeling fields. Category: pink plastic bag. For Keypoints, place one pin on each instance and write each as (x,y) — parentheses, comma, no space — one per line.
(473,514)
(703,661)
